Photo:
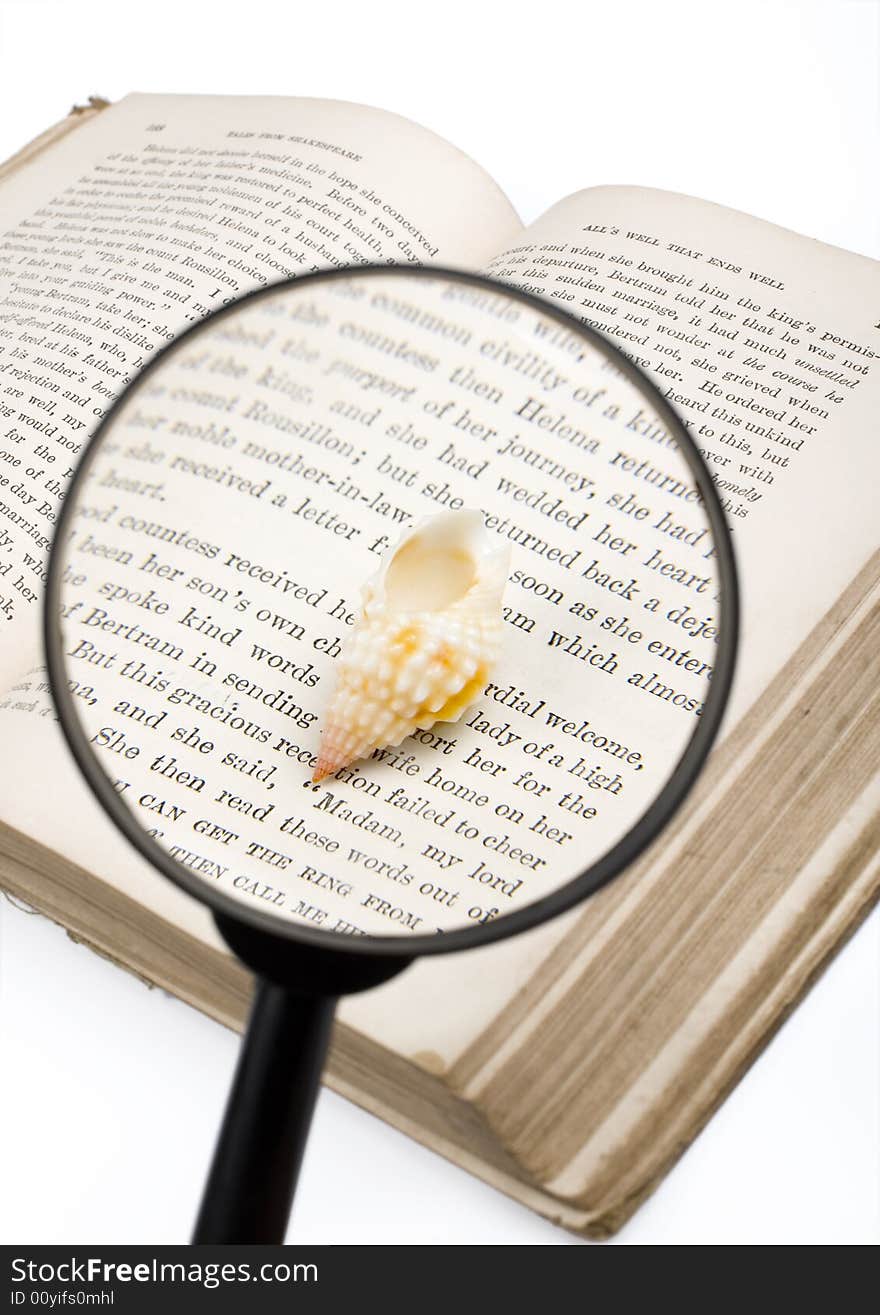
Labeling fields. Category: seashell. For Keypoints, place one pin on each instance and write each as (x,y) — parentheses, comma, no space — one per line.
(429,633)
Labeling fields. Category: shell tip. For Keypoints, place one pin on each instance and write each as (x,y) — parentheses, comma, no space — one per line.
(328,765)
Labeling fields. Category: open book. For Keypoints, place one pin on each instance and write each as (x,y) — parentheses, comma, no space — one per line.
(572,1065)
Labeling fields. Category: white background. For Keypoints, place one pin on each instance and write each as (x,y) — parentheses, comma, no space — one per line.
(111,1093)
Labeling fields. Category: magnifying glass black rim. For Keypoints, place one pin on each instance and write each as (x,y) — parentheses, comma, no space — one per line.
(624,852)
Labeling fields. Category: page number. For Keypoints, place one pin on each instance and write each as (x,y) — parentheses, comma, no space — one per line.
(155,127)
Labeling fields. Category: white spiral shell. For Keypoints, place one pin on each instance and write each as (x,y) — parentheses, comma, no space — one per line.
(428,635)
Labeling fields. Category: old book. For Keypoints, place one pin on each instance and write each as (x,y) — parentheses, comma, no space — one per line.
(569,1067)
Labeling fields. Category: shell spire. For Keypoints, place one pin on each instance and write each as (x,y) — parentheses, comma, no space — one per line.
(428,635)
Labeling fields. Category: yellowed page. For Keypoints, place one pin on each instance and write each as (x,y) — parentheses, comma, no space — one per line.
(767,344)
(158,210)
(163,208)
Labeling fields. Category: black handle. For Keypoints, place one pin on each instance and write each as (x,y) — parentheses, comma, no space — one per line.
(260,1148)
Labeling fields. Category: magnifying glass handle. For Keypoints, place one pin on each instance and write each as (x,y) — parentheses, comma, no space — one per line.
(261,1143)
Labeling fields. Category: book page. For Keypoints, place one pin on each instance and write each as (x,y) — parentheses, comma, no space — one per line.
(768,346)
(161,209)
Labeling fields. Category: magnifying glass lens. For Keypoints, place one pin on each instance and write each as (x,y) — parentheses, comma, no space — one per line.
(389,604)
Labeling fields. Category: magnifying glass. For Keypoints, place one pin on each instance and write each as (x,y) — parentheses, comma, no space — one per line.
(390,612)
